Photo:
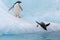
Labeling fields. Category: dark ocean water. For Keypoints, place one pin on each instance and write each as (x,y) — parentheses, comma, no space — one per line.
(32,36)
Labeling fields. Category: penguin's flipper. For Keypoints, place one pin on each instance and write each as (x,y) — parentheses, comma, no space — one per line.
(11,7)
(47,24)
(21,8)
(37,22)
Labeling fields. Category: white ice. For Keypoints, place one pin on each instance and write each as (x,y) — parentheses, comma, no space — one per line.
(12,25)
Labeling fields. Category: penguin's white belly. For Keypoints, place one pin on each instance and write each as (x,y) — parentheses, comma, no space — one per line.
(17,9)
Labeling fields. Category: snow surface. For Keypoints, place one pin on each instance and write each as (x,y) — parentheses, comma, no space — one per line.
(13,25)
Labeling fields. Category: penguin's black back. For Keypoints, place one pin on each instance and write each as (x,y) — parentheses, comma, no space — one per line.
(42,24)
(18,2)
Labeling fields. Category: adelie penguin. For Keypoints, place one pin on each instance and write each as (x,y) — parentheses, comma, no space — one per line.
(43,25)
(17,9)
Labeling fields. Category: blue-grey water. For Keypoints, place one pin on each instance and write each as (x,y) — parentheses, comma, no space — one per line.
(32,36)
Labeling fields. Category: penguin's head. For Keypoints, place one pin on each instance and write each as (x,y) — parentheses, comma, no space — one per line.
(18,2)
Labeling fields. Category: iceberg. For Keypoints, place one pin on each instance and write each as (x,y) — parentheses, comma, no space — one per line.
(13,25)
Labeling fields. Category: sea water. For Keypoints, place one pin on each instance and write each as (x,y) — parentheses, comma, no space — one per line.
(32,36)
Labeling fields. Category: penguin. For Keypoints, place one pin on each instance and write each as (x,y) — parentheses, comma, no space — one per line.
(17,9)
(43,25)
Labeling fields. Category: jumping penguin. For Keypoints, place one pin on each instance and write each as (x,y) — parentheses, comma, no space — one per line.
(43,25)
(17,9)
